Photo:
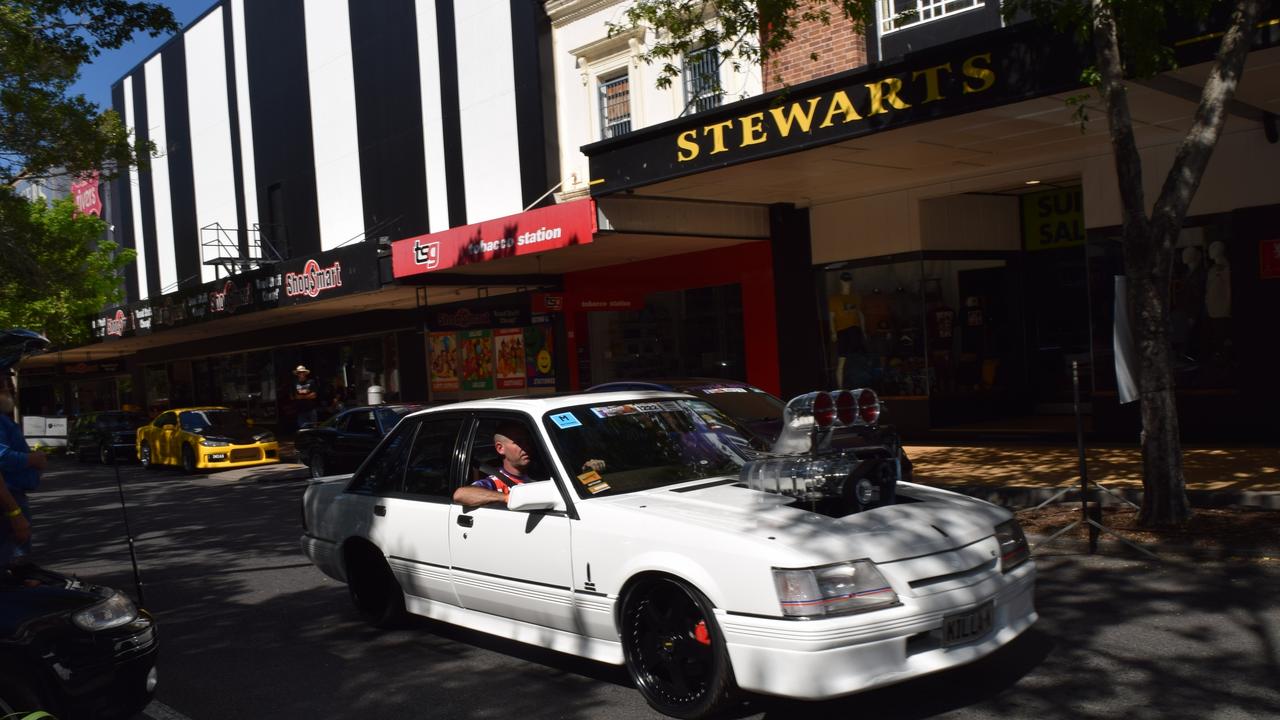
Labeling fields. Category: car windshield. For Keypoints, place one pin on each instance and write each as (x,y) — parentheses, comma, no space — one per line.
(618,447)
(745,404)
(120,422)
(203,421)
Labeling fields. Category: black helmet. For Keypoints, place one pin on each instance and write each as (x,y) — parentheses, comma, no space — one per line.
(17,344)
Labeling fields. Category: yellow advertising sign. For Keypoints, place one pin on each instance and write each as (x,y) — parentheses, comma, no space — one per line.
(1053,219)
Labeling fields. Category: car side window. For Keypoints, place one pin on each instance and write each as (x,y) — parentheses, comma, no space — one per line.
(382,471)
(166,419)
(432,457)
(361,422)
(484,459)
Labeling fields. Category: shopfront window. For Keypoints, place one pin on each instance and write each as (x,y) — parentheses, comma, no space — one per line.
(1200,305)
(678,333)
(156,380)
(875,322)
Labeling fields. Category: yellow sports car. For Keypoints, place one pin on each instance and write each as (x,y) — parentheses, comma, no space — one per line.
(204,438)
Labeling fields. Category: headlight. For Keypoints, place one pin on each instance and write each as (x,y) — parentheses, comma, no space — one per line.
(115,611)
(214,443)
(1013,545)
(846,587)
(264,437)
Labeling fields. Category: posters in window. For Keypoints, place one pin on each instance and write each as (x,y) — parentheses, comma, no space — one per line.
(444,361)
(477,359)
(539,353)
(509,358)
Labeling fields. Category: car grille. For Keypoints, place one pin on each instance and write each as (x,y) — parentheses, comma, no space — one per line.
(244,454)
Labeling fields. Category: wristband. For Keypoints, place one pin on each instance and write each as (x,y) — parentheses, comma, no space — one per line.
(14,512)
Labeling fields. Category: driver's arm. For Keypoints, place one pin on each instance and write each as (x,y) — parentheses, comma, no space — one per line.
(474,496)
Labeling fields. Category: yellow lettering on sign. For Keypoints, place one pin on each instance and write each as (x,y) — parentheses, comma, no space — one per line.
(931,90)
(886,91)
(717,135)
(753,129)
(794,115)
(985,76)
(688,142)
(840,105)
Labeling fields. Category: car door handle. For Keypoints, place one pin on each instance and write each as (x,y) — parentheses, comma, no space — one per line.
(466,520)
(380,510)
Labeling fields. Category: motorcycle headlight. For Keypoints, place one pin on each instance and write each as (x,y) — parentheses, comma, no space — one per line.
(214,443)
(1013,545)
(846,587)
(116,610)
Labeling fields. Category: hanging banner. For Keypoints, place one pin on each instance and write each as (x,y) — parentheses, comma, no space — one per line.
(527,233)
(444,361)
(85,192)
(476,359)
(508,353)
(539,353)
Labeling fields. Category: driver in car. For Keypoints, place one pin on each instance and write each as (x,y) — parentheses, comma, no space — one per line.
(513,443)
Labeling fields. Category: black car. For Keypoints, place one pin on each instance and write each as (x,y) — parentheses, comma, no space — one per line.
(755,409)
(341,443)
(72,649)
(107,436)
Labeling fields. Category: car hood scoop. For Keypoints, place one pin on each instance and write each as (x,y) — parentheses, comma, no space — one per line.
(924,521)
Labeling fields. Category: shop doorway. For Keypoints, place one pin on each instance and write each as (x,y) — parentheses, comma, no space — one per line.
(1056,298)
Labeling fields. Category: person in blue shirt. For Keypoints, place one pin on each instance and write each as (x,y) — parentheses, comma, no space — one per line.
(21,468)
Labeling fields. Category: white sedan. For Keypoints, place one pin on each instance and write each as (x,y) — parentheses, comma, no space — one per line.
(652,533)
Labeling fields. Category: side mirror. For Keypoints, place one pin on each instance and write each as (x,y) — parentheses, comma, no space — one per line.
(542,495)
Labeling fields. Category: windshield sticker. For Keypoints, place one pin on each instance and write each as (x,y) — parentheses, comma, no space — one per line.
(650,407)
(589,477)
(606,411)
(566,420)
(598,486)
(711,390)
(671,406)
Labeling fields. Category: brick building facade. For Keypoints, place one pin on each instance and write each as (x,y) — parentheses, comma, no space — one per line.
(817,51)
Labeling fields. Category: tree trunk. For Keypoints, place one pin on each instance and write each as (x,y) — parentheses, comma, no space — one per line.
(1149,243)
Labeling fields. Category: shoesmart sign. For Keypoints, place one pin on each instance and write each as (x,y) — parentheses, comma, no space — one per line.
(549,228)
(979,72)
(338,272)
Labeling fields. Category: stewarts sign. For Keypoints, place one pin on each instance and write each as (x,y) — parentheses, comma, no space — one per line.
(982,71)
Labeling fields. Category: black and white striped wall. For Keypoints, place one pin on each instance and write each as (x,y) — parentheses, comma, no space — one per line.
(324,120)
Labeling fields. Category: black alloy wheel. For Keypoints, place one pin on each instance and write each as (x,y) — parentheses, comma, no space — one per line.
(106,454)
(674,650)
(373,588)
(317,466)
(189,460)
(144,457)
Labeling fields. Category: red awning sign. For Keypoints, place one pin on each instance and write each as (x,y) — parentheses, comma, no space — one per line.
(548,228)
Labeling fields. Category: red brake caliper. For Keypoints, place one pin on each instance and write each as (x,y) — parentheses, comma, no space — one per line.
(700,633)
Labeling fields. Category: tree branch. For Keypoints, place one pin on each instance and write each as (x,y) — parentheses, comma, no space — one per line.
(1196,149)
(1116,102)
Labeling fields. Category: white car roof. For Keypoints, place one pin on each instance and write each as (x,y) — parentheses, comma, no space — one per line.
(537,405)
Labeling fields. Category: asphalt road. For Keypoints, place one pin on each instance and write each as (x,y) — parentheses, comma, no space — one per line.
(250,630)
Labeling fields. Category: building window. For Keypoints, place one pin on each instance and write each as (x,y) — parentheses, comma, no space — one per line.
(898,14)
(615,106)
(702,80)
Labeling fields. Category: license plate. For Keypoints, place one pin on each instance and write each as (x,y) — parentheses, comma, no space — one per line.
(964,627)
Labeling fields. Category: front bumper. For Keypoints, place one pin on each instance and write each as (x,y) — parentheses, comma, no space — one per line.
(818,659)
(117,681)
(232,456)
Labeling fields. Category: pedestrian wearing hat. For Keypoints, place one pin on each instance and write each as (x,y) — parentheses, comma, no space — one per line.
(304,396)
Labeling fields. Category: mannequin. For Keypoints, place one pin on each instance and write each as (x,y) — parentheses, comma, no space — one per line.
(844,311)
(1217,301)
(1217,294)
(1188,301)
